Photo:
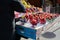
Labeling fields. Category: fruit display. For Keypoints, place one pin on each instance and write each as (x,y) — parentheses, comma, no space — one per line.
(36,18)
(39,18)
(36,15)
(33,9)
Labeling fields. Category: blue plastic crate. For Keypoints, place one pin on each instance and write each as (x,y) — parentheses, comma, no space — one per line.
(27,32)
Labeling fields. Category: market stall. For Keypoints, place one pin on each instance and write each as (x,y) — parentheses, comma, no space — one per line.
(35,22)
(34,33)
(31,25)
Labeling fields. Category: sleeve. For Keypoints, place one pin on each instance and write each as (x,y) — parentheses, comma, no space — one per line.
(17,6)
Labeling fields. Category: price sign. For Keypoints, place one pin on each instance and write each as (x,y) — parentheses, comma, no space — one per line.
(48,9)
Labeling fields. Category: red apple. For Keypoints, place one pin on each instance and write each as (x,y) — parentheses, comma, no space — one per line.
(37,14)
(40,16)
(56,15)
(34,15)
(49,18)
(27,16)
(30,16)
(33,21)
(30,11)
(37,17)
(27,10)
(42,20)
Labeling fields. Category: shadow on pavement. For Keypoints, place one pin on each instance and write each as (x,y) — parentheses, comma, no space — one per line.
(49,35)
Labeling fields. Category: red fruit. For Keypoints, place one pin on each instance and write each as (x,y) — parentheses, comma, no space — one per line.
(30,16)
(49,17)
(42,21)
(40,16)
(45,16)
(36,17)
(37,14)
(26,15)
(27,10)
(33,21)
(56,15)
(30,11)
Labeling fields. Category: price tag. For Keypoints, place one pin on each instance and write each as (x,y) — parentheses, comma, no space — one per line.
(48,9)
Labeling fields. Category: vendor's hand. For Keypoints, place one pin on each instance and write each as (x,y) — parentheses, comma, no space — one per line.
(18,14)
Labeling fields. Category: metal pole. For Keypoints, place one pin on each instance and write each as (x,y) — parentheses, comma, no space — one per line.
(43,5)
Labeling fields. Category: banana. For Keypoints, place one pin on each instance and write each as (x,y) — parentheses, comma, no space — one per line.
(26,5)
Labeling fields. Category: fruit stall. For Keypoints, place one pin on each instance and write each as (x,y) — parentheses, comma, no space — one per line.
(35,21)
(32,24)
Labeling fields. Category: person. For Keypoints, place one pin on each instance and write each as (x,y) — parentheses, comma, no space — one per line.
(7,8)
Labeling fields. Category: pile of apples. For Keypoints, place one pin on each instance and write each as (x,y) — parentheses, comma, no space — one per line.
(33,9)
(39,18)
